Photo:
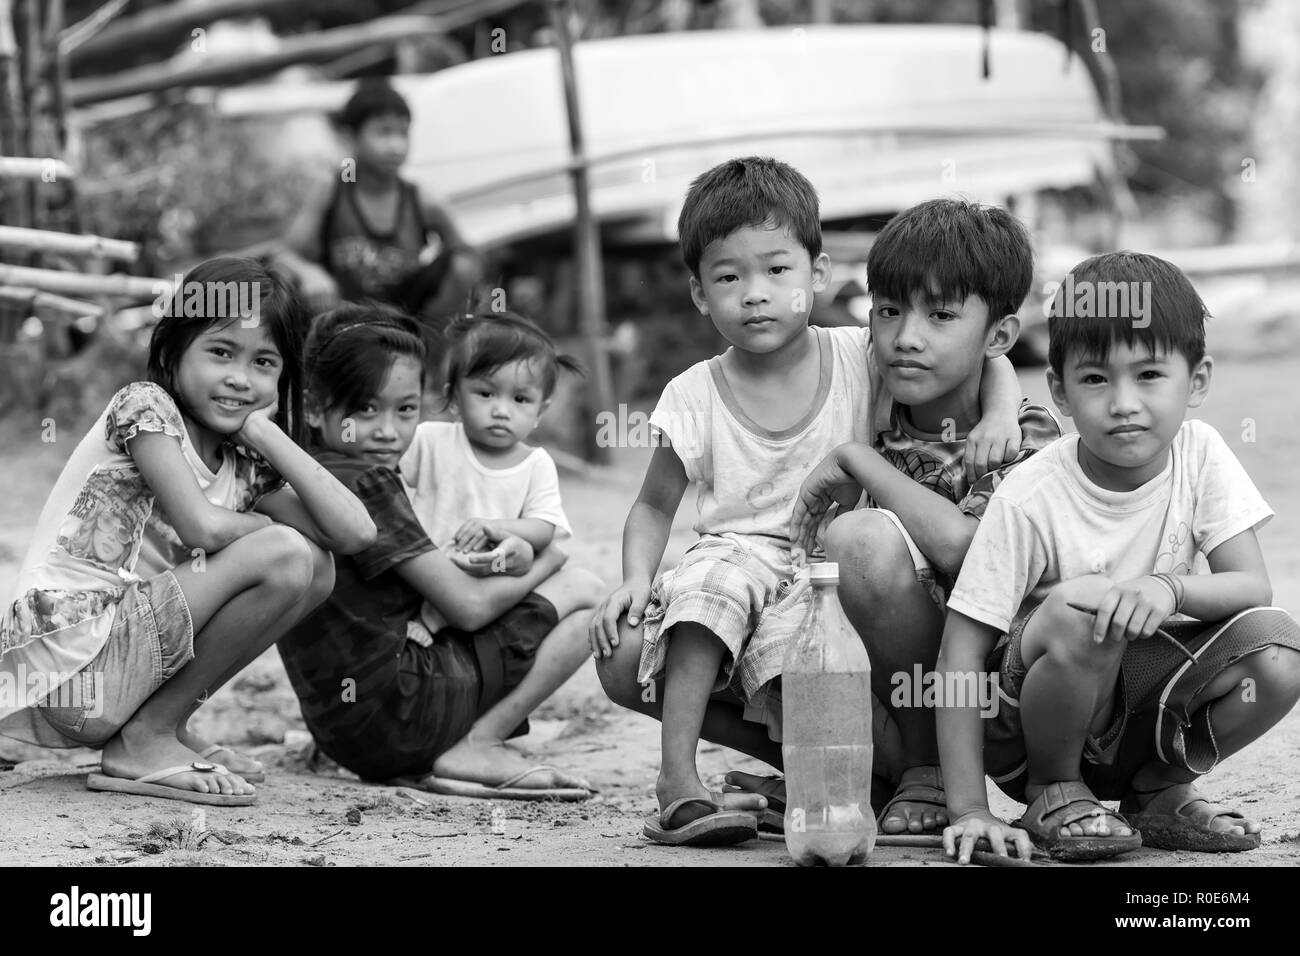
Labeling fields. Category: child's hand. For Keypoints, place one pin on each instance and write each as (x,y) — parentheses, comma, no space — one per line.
(827,484)
(1133,610)
(970,827)
(476,534)
(630,599)
(992,443)
(512,556)
(258,418)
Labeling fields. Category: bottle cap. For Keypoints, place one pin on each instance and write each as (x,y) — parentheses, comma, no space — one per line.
(826,572)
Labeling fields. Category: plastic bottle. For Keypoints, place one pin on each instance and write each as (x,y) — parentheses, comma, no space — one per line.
(827,748)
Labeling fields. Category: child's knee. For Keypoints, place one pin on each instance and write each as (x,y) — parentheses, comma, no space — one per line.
(1087,590)
(868,546)
(1275,672)
(1067,634)
(618,672)
(288,564)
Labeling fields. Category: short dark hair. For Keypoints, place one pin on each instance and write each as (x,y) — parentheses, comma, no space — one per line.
(351,350)
(483,342)
(752,191)
(1175,320)
(279,309)
(372,97)
(953,248)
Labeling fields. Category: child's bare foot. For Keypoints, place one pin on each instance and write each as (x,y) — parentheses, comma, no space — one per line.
(493,763)
(133,753)
(232,760)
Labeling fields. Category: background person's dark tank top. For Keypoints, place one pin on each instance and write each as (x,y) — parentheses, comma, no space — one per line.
(363,261)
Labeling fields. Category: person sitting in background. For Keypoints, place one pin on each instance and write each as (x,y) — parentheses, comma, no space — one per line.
(372,235)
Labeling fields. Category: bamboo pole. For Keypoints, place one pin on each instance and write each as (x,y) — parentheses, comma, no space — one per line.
(74,36)
(34,167)
(43,240)
(134,288)
(312,47)
(129,33)
(586,237)
(34,300)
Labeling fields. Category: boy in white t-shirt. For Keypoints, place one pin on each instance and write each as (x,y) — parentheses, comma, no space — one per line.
(475,485)
(1085,553)
(747,426)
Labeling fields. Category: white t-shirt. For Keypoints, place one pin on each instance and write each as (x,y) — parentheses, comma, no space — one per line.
(99,531)
(749,476)
(1047,523)
(449,485)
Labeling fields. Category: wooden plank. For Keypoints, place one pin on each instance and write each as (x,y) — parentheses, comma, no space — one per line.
(44,240)
(119,286)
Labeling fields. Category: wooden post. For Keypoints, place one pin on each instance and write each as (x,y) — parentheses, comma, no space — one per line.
(586,236)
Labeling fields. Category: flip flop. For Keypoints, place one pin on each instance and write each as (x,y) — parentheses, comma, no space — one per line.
(148,786)
(719,827)
(256,776)
(921,785)
(508,790)
(1165,825)
(1070,801)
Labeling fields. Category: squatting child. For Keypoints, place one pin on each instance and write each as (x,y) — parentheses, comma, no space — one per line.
(1127,670)
(186,533)
(748,426)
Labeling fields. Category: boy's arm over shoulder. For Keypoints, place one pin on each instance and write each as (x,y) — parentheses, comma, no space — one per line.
(1038,429)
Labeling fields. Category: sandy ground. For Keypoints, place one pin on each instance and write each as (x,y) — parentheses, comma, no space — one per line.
(326,817)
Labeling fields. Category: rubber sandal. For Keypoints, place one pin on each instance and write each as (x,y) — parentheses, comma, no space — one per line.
(719,827)
(508,790)
(922,785)
(148,786)
(256,776)
(1164,824)
(1072,802)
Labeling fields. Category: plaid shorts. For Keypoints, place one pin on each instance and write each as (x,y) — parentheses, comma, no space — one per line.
(724,583)
(1150,720)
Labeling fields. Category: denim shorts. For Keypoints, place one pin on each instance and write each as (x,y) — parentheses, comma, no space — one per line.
(152,638)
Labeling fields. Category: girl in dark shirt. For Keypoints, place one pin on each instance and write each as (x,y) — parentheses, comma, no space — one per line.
(380,697)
